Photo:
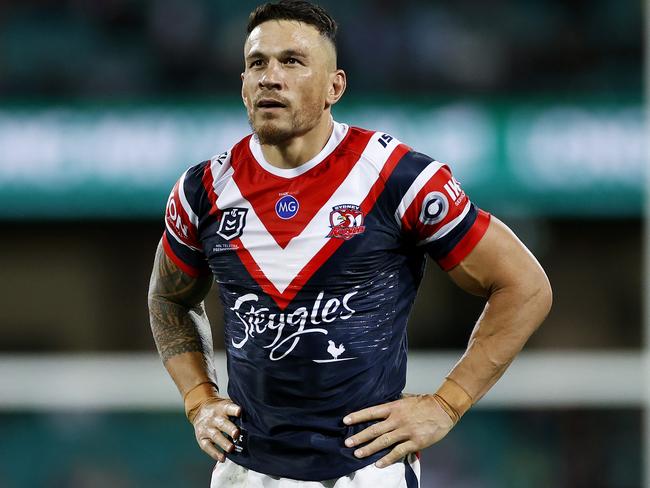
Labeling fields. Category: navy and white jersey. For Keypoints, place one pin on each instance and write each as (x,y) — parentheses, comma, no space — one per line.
(318,267)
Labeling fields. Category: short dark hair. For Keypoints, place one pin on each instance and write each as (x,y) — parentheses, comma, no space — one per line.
(299,10)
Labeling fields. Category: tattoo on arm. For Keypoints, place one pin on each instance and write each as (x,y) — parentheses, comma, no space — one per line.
(176,312)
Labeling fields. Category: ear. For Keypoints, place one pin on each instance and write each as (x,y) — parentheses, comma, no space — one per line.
(243,95)
(337,85)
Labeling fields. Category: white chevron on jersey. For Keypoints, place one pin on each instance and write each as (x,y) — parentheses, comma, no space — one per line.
(221,170)
(280,266)
(419,182)
(186,205)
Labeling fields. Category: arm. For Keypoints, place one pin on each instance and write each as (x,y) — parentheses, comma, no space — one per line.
(518,299)
(180,327)
(182,334)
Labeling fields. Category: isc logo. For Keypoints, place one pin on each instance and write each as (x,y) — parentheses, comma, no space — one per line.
(453,189)
(287,207)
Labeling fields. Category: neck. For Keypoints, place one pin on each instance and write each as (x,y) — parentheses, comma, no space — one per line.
(298,150)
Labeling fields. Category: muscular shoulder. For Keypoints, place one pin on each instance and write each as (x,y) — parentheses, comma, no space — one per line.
(415,165)
(198,186)
(189,206)
(434,210)
(398,162)
(374,145)
(217,171)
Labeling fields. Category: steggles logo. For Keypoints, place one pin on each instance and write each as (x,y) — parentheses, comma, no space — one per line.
(289,327)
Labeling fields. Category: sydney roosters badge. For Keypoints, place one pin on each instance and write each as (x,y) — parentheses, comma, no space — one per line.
(346,221)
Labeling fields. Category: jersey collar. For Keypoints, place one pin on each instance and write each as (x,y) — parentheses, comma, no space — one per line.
(338,134)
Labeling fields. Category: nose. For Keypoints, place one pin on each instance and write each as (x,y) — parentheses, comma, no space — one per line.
(272,76)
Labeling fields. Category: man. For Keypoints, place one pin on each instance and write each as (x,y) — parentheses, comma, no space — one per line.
(316,233)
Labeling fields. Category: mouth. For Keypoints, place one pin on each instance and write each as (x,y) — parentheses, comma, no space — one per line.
(270,103)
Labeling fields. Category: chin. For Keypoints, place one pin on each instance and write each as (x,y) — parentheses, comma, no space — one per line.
(270,132)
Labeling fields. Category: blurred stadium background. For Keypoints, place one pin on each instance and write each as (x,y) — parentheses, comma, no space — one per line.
(537,105)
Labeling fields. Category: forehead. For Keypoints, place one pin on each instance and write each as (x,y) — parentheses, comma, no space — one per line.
(275,36)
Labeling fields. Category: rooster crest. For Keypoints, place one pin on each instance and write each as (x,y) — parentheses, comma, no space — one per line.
(335,350)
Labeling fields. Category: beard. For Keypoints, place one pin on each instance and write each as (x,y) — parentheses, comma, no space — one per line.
(271,133)
(276,131)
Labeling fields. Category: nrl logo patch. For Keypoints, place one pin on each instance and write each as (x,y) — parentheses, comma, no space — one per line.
(346,221)
(232,223)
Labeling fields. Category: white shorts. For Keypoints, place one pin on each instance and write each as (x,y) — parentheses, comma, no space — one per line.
(398,475)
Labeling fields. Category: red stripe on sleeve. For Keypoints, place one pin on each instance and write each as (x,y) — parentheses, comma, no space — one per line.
(182,265)
(178,220)
(467,243)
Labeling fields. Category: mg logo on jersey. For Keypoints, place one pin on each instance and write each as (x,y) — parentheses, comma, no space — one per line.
(287,207)
(346,221)
(232,223)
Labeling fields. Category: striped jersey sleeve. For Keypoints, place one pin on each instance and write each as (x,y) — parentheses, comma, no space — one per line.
(437,213)
(181,237)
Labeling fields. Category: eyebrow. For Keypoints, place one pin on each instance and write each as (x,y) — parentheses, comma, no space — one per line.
(287,53)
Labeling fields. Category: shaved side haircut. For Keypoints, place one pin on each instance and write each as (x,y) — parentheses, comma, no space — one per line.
(298,10)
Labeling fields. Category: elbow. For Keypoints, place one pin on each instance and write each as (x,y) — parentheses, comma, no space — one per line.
(151,300)
(154,298)
(532,296)
(152,304)
(156,302)
(541,297)
(546,296)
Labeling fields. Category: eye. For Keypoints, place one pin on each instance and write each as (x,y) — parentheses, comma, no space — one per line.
(255,63)
(292,61)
